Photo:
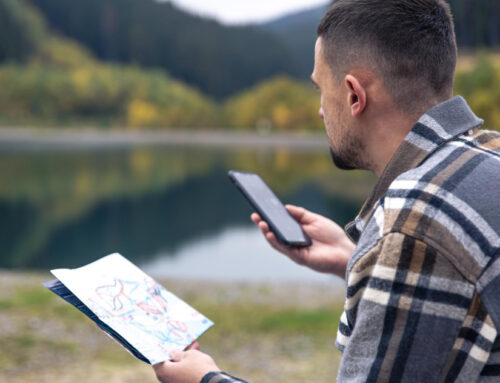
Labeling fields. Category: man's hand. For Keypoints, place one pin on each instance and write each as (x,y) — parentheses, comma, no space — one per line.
(330,250)
(186,366)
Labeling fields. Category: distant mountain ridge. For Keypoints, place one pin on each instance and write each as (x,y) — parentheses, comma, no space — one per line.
(298,30)
(296,19)
(217,59)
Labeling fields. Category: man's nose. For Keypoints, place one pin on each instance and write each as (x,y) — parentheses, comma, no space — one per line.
(321,113)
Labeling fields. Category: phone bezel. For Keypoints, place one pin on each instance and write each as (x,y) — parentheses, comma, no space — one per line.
(233,176)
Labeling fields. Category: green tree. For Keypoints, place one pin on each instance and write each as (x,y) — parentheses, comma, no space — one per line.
(219,60)
(21,30)
(281,104)
(480,85)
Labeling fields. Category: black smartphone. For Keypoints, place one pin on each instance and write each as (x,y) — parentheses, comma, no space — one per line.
(264,201)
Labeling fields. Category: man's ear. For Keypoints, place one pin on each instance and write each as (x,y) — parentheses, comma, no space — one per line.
(356,95)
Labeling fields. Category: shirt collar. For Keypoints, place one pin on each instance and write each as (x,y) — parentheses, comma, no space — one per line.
(435,128)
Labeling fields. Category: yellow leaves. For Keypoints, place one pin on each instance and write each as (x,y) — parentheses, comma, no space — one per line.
(141,163)
(281,116)
(282,159)
(82,184)
(81,78)
(142,114)
(479,83)
(102,94)
(63,53)
(284,103)
(480,102)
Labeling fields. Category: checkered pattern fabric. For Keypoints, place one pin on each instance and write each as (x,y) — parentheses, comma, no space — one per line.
(423,284)
(422,303)
(220,377)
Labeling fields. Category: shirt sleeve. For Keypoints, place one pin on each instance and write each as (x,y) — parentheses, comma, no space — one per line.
(405,306)
(220,377)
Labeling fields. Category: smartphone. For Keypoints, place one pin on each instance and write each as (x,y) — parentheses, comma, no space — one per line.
(264,201)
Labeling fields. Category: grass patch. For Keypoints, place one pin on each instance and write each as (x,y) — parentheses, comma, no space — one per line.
(263,319)
(67,311)
(249,338)
(23,341)
(6,304)
(295,321)
(114,355)
(16,349)
(37,300)
(29,298)
(34,298)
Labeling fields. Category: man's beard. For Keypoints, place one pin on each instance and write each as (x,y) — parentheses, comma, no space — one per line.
(340,163)
(350,155)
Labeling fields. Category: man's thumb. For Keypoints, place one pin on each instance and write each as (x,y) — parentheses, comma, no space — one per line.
(176,355)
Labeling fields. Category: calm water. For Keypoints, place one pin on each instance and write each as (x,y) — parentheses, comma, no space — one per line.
(171,210)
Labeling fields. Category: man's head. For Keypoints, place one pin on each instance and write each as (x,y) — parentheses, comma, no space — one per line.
(408,45)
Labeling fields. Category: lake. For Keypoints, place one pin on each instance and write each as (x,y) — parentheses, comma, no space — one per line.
(169,208)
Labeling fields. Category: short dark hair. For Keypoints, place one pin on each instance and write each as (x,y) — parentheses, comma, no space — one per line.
(411,43)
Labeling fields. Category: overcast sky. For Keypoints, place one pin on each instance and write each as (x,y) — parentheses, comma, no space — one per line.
(246,11)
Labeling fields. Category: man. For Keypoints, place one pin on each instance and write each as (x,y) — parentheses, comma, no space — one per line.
(422,259)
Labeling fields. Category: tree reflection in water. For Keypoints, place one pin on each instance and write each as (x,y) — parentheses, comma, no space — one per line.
(67,208)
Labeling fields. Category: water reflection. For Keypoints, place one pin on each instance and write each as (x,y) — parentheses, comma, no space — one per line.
(235,254)
(67,208)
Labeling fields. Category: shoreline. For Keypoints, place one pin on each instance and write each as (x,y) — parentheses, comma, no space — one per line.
(303,294)
(90,138)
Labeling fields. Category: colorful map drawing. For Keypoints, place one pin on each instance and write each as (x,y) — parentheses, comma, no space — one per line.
(143,305)
(147,315)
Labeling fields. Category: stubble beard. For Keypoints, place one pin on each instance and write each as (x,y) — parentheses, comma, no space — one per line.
(350,154)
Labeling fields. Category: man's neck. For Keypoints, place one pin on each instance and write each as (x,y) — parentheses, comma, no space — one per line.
(390,134)
(386,127)
(389,144)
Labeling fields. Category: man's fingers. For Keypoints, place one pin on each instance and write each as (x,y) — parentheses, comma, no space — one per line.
(264,227)
(193,346)
(261,224)
(159,366)
(268,234)
(161,369)
(273,241)
(176,355)
(271,238)
(299,213)
(255,218)
(293,253)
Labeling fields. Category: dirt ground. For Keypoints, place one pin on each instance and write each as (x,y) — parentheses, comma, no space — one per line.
(262,333)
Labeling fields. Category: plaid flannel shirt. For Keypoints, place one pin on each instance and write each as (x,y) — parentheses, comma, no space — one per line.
(423,283)
(422,300)
(220,377)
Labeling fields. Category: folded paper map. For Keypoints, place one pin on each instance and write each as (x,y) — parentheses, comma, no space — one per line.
(131,307)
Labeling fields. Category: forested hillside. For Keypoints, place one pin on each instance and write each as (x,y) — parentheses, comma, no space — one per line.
(298,30)
(21,30)
(216,59)
(47,79)
(477,23)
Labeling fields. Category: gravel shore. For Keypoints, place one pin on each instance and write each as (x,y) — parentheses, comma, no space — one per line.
(43,339)
(70,138)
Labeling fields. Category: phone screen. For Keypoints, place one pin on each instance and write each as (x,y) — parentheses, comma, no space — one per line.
(270,208)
